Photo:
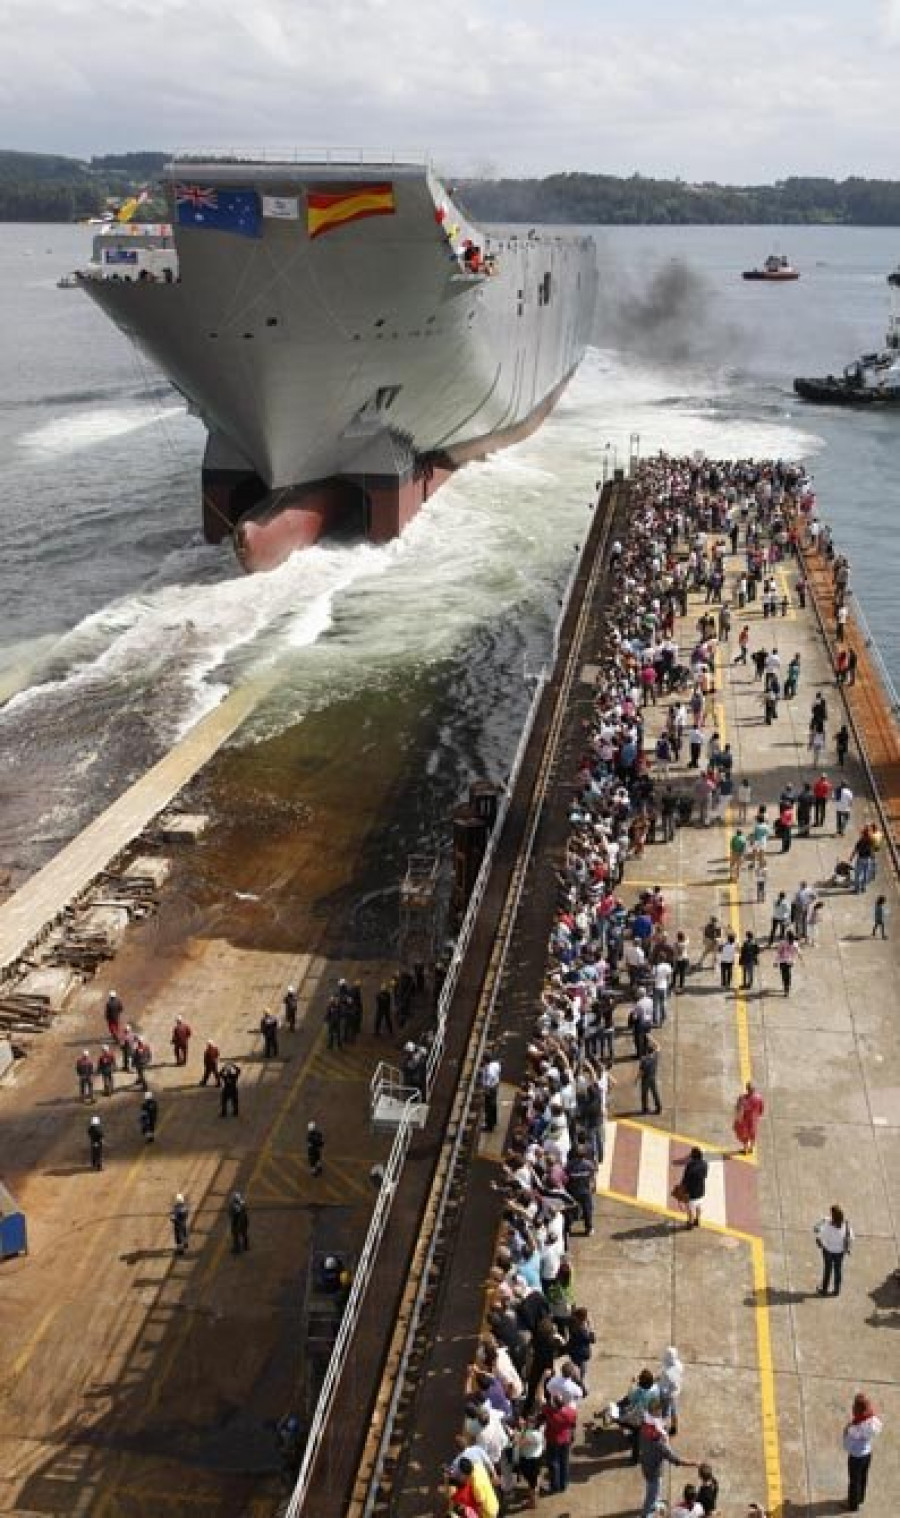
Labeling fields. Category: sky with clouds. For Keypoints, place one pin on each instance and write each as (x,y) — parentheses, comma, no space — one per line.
(746,91)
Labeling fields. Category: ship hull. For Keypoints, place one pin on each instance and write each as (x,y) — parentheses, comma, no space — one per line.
(836,392)
(341,378)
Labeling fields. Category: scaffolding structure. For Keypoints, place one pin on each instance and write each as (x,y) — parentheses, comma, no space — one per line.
(419,911)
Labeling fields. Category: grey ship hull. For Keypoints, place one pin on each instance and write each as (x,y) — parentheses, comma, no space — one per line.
(354,370)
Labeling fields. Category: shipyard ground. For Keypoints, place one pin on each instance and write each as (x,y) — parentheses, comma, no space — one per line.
(771,1366)
(136,1383)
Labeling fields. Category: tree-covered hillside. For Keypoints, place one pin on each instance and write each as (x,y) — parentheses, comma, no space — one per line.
(591,199)
(50,187)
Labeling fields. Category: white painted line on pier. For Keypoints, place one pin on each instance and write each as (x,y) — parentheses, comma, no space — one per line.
(653,1171)
(714,1202)
(604,1170)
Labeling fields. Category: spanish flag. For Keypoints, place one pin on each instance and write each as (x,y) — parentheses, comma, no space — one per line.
(334,207)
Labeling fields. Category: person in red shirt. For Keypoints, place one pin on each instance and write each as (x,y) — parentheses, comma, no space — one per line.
(559,1430)
(181,1037)
(821,797)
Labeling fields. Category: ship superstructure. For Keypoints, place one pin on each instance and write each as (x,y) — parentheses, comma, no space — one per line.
(346,334)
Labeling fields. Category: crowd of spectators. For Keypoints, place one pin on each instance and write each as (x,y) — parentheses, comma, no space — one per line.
(613,969)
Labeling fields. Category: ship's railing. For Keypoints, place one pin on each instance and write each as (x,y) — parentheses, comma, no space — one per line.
(302,155)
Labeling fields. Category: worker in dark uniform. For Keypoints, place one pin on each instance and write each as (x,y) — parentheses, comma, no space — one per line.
(95,1140)
(383,1018)
(113,1014)
(291,1005)
(210,1064)
(330,1273)
(268,1027)
(140,1059)
(356,1010)
(291,1439)
(333,1021)
(128,1042)
(84,1069)
(315,1147)
(179,1220)
(106,1064)
(231,1074)
(345,1000)
(239,1218)
(149,1116)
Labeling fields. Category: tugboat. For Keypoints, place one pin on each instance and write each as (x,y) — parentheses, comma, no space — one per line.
(777,269)
(873,380)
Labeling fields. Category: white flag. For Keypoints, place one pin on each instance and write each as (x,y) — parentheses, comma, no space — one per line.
(282,207)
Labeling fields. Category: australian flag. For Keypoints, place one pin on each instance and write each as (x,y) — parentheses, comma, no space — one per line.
(218,210)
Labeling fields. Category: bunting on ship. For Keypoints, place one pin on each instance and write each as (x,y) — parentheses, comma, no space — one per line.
(330,208)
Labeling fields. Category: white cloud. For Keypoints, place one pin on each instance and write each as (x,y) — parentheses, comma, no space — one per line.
(891,10)
(589,84)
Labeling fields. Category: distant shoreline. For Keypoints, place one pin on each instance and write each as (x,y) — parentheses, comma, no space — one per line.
(41,187)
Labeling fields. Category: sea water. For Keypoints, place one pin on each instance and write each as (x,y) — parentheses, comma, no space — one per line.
(121,627)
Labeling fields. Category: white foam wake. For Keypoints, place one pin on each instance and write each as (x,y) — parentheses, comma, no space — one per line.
(71,433)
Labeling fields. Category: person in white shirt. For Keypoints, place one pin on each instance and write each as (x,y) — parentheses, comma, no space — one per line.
(843,806)
(564,1385)
(859,1434)
(834,1237)
(662,979)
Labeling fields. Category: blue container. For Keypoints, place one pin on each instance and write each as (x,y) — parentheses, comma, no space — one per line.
(13,1228)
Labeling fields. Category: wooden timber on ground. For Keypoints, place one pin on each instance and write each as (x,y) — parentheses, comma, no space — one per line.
(41,901)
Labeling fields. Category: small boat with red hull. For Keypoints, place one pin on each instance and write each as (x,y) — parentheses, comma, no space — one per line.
(777,270)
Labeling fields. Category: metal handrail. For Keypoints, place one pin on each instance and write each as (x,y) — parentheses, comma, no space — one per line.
(299,155)
(858,735)
(385,1072)
(461,1126)
(876,655)
(435,1053)
(352,1312)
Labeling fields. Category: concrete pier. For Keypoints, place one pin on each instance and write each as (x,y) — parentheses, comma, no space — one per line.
(771,1367)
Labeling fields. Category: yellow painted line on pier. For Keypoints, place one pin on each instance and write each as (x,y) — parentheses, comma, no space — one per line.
(771,1441)
(709,1225)
(680,1138)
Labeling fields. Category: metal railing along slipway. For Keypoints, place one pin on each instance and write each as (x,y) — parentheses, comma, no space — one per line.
(893,697)
(403,1136)
(377,1224)
(518,882)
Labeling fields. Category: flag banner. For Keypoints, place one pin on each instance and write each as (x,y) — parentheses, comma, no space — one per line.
(335,207)
(128,207)
(218,210)
(281,207)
